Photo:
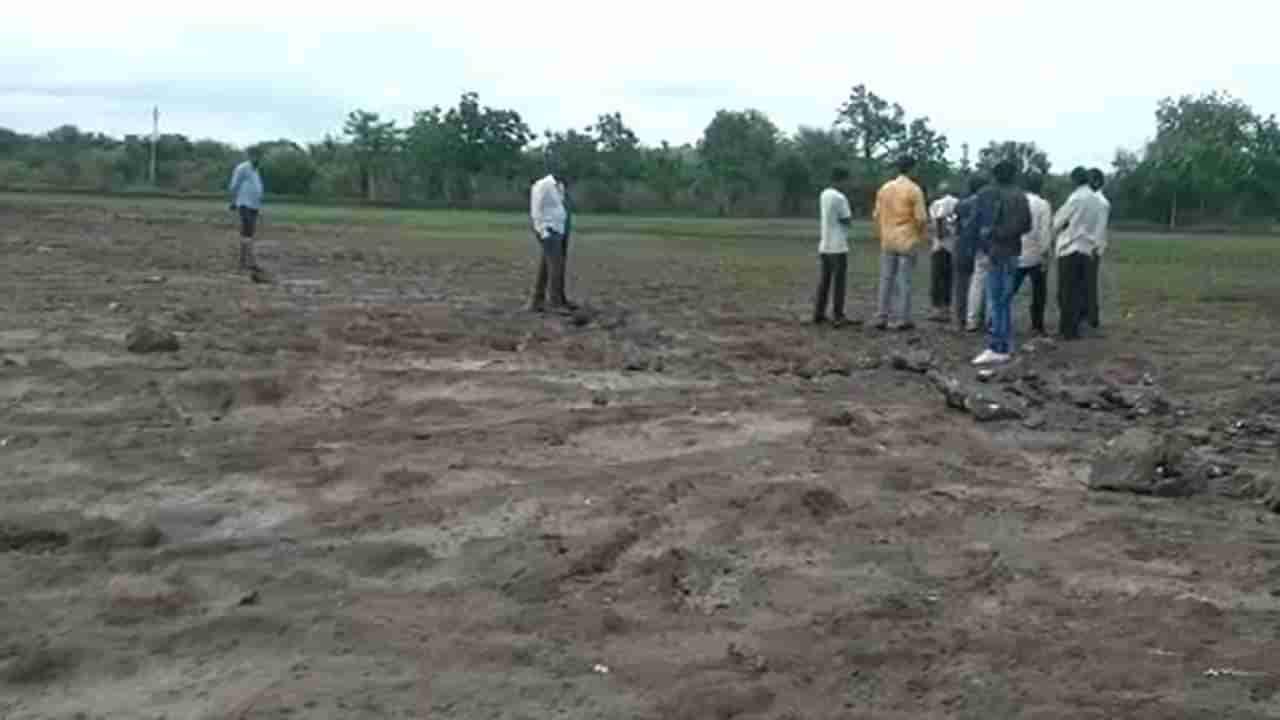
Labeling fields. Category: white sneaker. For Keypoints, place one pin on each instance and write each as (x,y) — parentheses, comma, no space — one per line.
(989,357)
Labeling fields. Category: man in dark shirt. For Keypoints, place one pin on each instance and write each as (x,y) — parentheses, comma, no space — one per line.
(966,249)
(1004,216)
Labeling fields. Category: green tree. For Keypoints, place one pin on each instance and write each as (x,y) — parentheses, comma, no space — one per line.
(481,140)
(1201,151)
(738,149)
(929,148)
(1026,155)
(667,172)
(287,169)
(872,124)
(373,142)
(620,160)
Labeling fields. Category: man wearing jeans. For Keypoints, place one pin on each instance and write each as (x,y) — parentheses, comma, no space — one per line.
(833,249)
(1036,248)
(550,218)
(1004,215)
(246,198)
(902,219)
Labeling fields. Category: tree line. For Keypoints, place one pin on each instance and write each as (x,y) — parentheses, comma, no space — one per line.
(1212,159)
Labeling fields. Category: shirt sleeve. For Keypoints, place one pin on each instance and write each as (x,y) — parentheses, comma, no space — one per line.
(921,214)
(843,210)
(1064,214)
(237,177)
(535,205)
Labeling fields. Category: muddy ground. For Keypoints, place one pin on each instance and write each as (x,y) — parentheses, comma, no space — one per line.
(378,488)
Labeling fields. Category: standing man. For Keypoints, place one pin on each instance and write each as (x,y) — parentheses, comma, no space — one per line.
(1094,315)
(550,219)
(1037,246)
(246,197)
(966,250)
(833,249)
(1004,215)
(1078,224)
(942,215)
(900,214)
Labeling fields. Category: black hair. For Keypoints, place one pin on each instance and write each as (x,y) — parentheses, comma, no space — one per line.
(1096,178)
(1005,171)
(906,164)
(976,183)
(1035,183)
(839,174)
(1080,176)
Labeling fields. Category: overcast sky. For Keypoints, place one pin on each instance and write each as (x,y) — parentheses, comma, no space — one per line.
(1079,78)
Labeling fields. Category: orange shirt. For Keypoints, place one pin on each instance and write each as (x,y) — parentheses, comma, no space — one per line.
(900,215)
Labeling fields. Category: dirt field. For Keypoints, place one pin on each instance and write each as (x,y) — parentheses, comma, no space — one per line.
(378,488)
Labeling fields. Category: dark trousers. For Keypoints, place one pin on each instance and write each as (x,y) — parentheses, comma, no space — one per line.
(833,269)
(962,278)
(940,278)
(1073,293)
(248,227)
(551,269)
(1039,292)
(1092,313)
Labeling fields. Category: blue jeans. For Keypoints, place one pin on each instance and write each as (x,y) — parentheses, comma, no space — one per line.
(1000,300)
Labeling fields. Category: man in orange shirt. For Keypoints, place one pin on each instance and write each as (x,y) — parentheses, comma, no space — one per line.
(902,220)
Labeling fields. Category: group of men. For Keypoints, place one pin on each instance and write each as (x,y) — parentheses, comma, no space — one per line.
(983,249)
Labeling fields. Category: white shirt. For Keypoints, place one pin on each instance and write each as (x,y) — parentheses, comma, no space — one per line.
(546,206)
(1084,217)
(1037,243)
(1106,219)
(833,207)
(246,186)
(941,209)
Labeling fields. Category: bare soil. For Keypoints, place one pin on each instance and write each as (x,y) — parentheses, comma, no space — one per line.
(379,488)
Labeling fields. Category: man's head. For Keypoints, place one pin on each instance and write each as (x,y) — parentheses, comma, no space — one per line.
(1035,184)
(1096,179)
(906,164)
(1079,177)
(1004,172)
(839,175)
(255,154)
(976,183)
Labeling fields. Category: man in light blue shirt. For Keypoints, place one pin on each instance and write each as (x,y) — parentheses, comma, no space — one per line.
(246,197)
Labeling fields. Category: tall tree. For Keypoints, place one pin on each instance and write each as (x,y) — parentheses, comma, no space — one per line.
(374,141)
(667,172)
(619,154)
(929,148)
(872,124)
(482,140)
(1026,155)
(738,149)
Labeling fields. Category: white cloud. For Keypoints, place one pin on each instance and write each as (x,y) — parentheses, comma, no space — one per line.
(1079,79)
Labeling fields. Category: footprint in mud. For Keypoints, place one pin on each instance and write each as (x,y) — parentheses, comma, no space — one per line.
(791,502)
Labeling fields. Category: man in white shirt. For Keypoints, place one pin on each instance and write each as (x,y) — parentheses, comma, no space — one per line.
(549,216)
(942,218)
(834,220)
(1078,224)
(246,191)
(1096,181)
(1036,248)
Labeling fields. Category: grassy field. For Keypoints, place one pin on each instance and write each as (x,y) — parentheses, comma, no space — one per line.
(379,488)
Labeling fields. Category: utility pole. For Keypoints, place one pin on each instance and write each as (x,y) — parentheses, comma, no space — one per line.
(155,137)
